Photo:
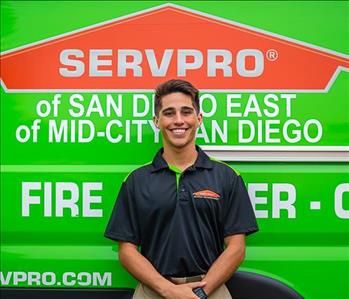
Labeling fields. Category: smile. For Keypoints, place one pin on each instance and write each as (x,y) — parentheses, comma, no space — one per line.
(178,131)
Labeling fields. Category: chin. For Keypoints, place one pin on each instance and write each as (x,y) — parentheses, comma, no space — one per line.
(179,144)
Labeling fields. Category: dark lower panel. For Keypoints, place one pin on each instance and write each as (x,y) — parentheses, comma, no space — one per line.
(246,285)
(243,285)
(31,293)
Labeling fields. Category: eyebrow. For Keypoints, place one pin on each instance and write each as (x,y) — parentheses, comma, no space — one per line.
(182,108)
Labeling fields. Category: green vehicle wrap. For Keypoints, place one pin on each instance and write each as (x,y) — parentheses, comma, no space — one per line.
(65,148)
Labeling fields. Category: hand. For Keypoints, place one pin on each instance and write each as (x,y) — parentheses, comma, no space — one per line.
(183,291)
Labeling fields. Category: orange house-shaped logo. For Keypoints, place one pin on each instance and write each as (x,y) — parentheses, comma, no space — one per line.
(138,51)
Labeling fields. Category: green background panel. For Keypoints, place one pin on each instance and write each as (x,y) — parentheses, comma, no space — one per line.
(290,250)
(309,253)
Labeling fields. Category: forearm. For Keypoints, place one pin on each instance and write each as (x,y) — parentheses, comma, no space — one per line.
(142,269)
(225,265)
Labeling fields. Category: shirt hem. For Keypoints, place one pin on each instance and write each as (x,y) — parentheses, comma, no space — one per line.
(246,231)
(120,238)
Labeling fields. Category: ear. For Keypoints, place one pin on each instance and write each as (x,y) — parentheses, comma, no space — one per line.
(200,117)
(156,121)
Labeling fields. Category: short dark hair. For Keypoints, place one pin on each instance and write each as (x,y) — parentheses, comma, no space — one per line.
(172,86)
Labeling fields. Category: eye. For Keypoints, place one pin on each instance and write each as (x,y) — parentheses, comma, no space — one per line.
(168,113)
(187,111)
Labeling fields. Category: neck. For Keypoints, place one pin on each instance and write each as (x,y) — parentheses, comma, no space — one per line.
(180,157)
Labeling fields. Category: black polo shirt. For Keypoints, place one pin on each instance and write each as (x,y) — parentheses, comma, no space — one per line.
(180,219)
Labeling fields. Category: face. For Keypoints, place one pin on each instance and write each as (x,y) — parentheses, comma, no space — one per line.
(178,120)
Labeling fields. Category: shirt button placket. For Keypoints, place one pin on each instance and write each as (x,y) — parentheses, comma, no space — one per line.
(182,191)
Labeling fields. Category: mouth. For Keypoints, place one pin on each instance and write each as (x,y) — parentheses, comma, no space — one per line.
(178,131)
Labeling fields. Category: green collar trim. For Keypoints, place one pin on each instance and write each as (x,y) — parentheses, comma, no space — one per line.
(178,173)
(175,169)
(219,161)
(127,175)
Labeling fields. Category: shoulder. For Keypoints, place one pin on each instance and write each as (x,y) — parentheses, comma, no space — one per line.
(140,173)
(224,168)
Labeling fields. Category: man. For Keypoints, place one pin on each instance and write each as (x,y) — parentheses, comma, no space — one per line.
(181,210)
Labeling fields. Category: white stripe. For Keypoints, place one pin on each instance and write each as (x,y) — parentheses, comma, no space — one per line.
(69,168)
(274,148)
(83,29)
(199,13)
(285,154)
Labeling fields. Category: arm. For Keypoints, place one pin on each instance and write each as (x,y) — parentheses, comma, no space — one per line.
(226,264)
(145,272)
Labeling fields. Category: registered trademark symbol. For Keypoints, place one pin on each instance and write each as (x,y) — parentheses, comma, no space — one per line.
(272,55)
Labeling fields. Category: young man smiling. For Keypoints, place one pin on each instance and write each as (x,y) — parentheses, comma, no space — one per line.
(188,214)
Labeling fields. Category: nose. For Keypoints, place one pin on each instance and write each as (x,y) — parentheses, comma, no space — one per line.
(178,119)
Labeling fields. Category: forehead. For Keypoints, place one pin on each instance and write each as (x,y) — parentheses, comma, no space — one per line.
(176,100)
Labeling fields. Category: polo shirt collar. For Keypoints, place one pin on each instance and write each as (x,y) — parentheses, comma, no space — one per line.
(202,161)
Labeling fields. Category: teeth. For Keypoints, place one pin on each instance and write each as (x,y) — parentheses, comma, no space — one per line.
(178,131)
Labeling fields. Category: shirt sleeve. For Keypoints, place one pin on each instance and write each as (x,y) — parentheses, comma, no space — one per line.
(123,223)
(239,216)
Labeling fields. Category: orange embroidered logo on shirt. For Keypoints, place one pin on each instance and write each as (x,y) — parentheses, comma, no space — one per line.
(206,194)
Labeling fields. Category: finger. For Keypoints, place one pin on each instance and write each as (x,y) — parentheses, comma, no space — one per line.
(198,284)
